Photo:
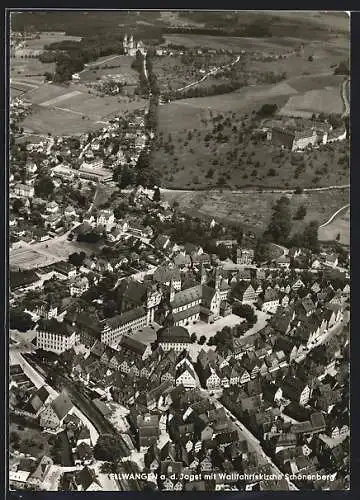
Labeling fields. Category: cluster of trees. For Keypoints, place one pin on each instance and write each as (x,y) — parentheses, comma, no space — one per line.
(85,23)
(308,238)
(199,91)
(138,65)
(153,83)
(77,259)
(109,447)
(223,339)
(262,251)
(300,213)
(142,174)
(71,56)
(244,311)
(124,176)
(267,110)
(44,186)
(279,228)
(226,25)
(20,320)
(152,118)
(192,230)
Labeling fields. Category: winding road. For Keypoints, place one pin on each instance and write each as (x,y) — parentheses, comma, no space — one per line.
(344,96)
(211,72)
(334,215)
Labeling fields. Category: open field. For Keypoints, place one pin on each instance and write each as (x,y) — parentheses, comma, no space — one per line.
(254,210)
(16,92)
(309,25)
(340,225)
(73,110)
(27,258)
(235,43)
(321,81)
(48,252)
(29,67)
(46,92)
(46,39)
(183,113)
(324,56)
(60,98)
(336,21)
(327,100)
(98,69)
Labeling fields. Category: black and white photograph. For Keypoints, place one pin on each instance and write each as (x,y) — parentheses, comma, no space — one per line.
(179,250)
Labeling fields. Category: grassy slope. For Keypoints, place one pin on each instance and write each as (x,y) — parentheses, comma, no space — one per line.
(340,225)
(242,163)
(311,86)
(254,210)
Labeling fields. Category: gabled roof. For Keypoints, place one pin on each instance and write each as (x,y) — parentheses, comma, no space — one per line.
(198,292)
(124,318)
(38,398)
(56,327)
(22,278)
(165,274)
(133,345)
(62,405)
(136,292)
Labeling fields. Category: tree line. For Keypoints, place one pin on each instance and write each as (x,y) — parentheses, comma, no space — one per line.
(280,228)
(199,91)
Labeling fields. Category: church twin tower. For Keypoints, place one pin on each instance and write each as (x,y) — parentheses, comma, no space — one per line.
(130,47)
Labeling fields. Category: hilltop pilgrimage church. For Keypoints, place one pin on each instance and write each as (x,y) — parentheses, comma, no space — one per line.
(131,47)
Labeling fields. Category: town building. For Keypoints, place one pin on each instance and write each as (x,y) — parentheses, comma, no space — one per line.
(168,275)
(126,323)
(55,336)
(105,218)
(244,256)
(52,417)
(131,47)
(294,139)
(24,190)
(199,302)
(173,337)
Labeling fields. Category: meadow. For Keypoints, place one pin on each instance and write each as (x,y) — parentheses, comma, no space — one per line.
(327,100)
(253,210)
(63,110)
(48,38)
(117,65)
(339,226)
(235,43)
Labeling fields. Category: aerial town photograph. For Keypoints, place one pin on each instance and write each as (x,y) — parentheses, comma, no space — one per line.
(179,250)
